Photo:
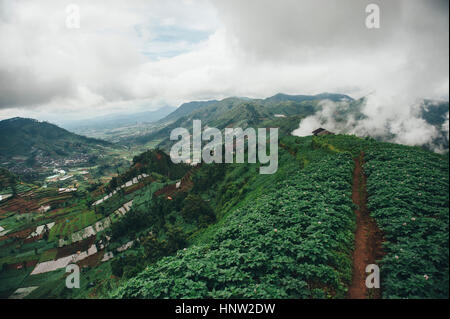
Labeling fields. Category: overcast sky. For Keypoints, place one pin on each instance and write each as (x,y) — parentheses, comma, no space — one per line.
(135,55)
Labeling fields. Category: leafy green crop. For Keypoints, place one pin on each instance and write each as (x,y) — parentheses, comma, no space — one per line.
(408,197)
(295,241)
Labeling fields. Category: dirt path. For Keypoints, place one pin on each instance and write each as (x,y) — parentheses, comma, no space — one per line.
(368,238)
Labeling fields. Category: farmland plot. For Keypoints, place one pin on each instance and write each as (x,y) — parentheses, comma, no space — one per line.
(408,197)
(294,242)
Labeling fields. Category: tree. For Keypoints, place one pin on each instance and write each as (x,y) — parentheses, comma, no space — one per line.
(195,208)
(154,248)
(176,238)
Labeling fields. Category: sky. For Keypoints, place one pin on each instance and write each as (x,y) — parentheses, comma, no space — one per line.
(137,55)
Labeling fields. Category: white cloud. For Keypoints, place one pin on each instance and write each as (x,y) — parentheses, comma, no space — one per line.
(47,68)
(381,119)
(131,54)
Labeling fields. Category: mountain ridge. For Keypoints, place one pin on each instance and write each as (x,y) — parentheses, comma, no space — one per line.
(39,142)
(237,111)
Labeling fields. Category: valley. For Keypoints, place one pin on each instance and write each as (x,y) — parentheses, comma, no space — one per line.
(224,158)
(139,225)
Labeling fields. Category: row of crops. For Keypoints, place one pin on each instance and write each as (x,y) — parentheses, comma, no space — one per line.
(83,215)
(77,220)
(408,197)
(294,241)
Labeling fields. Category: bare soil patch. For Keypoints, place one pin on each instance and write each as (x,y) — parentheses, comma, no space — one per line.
(368,238)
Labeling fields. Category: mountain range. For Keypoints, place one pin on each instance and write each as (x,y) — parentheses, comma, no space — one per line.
(286,112)
(141,226)
(30,137)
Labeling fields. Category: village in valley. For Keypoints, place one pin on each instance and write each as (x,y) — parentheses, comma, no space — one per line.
(64,219)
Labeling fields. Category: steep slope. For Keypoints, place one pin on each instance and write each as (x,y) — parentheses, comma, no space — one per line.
(226,231)
(187,108)
(151,161)
(238,112)
(291,235)
(282,238)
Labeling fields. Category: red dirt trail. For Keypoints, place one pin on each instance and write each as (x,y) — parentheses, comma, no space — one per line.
(368,238)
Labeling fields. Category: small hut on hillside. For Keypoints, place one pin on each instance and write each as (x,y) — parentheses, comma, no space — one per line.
(322,131)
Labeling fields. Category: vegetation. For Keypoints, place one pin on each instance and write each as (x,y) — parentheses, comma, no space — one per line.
(294,242)
(408,197)
(222,230)
(25,137)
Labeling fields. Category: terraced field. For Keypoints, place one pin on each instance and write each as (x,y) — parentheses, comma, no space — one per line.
(47,248)
(225,231)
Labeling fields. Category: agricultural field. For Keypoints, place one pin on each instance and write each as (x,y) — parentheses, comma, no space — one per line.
(36,244)
(75,221)
(294,243)
(158,230)
(225,157)
(409,198)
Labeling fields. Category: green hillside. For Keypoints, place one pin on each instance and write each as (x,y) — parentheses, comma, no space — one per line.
(11,184)
(151,161)
(165,230)
(229,232)
(291,235)
(239,112)
(25,137)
